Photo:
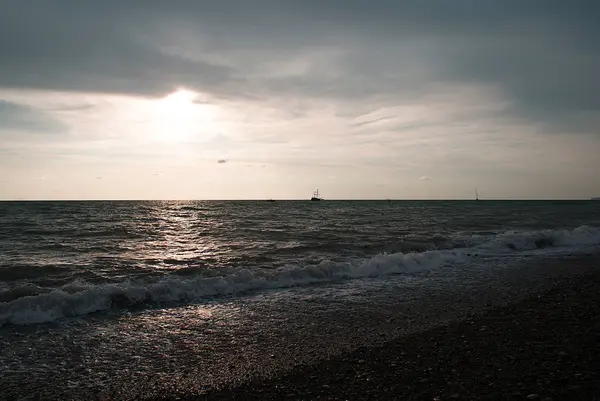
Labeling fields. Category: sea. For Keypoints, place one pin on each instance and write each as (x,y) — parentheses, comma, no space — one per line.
(98,295)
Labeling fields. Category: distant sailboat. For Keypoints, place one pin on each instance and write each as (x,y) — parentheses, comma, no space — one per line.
(315,196)
(476,195)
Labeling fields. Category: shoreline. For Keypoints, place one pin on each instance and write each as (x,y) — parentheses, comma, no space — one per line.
(323,348)
(543,347)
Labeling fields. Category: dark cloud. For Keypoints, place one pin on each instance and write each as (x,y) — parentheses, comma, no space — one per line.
(222,161)
(17,117)
(371,121)
(82,106)
(543,55)
(81,47)
(546,76)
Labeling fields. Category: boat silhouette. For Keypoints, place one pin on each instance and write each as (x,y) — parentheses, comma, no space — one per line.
(316,196)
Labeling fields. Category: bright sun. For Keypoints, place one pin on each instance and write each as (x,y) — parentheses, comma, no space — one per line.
(180,118)
(179,101)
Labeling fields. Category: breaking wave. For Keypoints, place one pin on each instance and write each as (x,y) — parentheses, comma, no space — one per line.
(531,240)
(30,304)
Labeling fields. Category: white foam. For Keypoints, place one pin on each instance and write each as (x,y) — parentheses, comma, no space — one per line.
(516,241)
(80,298)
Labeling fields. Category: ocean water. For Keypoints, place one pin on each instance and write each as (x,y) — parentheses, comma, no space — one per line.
(68,259)
(90,291)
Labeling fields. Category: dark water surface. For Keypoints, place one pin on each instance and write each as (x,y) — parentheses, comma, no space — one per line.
(73,258)
(112,295)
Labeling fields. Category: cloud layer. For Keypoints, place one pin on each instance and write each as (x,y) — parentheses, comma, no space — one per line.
(17,118)
(543,54)
(331,91)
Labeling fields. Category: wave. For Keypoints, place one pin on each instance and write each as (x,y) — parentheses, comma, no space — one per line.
(77,299)
(539,239)
(29,304)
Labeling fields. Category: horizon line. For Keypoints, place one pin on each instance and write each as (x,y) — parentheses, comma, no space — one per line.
(292,200)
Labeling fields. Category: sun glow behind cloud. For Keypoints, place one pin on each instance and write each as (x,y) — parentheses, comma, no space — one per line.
(179,118)
(343,106)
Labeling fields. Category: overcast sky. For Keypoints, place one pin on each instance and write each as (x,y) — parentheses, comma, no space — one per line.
(238,99)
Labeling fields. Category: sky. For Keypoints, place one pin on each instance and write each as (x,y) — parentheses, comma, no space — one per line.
(237,99)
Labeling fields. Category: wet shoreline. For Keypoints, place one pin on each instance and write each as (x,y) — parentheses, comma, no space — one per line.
(266,337)
(545,347)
